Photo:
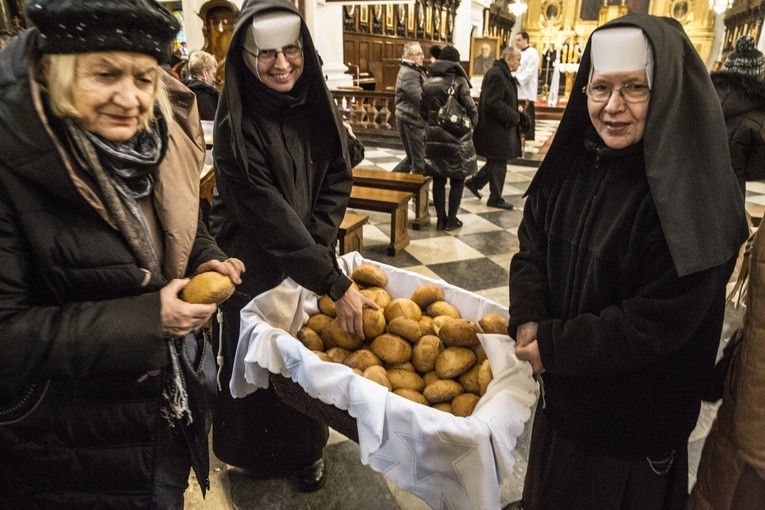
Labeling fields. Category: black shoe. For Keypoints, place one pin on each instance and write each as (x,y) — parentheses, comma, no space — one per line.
(440,225)
(473,187)
(452,224)
(313,477)
(501,204)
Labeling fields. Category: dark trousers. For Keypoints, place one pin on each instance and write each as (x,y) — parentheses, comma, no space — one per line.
(531,110)
(562,475)
(456,186)
(259,432)
(413,140)
(493,173)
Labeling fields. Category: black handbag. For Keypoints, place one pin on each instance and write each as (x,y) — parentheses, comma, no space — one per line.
(452,116)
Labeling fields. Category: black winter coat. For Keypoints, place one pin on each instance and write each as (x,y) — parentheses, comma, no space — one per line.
(207,98)
(445,154)
(625,342)
(80,327)
(743,103)
(496,134)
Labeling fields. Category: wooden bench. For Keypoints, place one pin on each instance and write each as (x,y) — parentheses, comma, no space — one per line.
(417,184)
(389,201)
(350,235)
(206,185)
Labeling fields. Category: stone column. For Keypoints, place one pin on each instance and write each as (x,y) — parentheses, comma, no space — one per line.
(325,22)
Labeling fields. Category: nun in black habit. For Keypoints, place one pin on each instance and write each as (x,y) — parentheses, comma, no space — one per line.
(630,231)
(283,178)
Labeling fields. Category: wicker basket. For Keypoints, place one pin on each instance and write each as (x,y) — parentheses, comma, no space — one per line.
(295,396)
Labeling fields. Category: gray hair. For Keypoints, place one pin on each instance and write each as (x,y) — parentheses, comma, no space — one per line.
(510,51)
(409,47)
(199,61)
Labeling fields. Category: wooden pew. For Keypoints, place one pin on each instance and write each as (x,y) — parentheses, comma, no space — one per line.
(396,203)
(417,184)
(350,235)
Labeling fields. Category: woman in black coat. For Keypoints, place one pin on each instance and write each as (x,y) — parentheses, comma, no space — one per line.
(446,155)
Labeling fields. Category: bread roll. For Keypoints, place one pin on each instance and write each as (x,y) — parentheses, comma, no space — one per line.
(400,366)
(493,324)
(469,380)
(377,374)
(392,348)
(430,377)
(414,396)
(209,287)
(426,294)
(405,327)
(310,339)
(378,295)
(480,353)
(340,338)
(442,391)
(463,405)
(318,322)
(362,359)
(369,275)
(402,307)
(426,325)
(404,379)
(454,361)
(425,352)
(338,354)
(443,406)
(484,377)
(327,306)
(324,356)
(459,333)
(442,308)
(373,323)
(439,321)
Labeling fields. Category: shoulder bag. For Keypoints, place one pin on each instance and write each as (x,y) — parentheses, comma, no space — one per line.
(452,116)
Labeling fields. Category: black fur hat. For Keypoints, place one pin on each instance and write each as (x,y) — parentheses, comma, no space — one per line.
(449,53)
(80,26)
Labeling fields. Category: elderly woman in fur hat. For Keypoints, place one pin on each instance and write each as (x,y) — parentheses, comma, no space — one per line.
(629,235)
(105,379)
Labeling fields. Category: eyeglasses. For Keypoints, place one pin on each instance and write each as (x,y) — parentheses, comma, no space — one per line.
(630,92)
(290,52)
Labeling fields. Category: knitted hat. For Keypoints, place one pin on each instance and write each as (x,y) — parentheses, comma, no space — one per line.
(449,53)
(435,51)
(746,58)
(81,26)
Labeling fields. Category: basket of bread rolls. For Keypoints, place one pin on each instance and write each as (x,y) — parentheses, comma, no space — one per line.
(433,394)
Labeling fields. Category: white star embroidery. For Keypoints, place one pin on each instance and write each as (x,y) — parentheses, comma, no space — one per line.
(432,465)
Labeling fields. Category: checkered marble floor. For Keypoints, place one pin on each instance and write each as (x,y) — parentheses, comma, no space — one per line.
(475,257)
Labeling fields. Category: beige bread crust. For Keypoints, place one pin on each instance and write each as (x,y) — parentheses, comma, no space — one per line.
(369,275)
(209,287)
(426,294)
(454,361)
(310,338)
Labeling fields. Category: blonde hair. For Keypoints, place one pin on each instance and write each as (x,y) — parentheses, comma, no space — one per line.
(59,71)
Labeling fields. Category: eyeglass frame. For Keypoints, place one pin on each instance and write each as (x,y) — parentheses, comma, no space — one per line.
(586,89)
(268,60)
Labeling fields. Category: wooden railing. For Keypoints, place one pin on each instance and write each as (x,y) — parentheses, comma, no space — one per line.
(364,109)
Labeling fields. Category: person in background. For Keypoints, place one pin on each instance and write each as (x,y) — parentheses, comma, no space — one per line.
(283,181)
(105,382)
(741,90)
(617,292)
(496,136)
(410,127)
(201,81)
(447,156)
(731,472)
(183,51)
(528,80)
(434,51)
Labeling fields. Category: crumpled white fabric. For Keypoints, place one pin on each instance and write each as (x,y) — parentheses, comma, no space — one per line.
(447,461)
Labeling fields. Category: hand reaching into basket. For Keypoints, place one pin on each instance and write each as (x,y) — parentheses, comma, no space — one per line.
(349,311)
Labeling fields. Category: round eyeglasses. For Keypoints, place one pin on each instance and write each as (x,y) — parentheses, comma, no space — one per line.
(630,92)
(290,52)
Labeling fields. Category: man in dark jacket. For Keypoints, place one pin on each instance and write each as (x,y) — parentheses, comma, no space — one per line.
(283,177)
(411,128)
(496,136)
(202,66)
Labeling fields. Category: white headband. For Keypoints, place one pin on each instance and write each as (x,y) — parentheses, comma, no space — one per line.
(272,30)
(621,49)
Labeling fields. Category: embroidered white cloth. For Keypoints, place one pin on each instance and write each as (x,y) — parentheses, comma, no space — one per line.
(448,461)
